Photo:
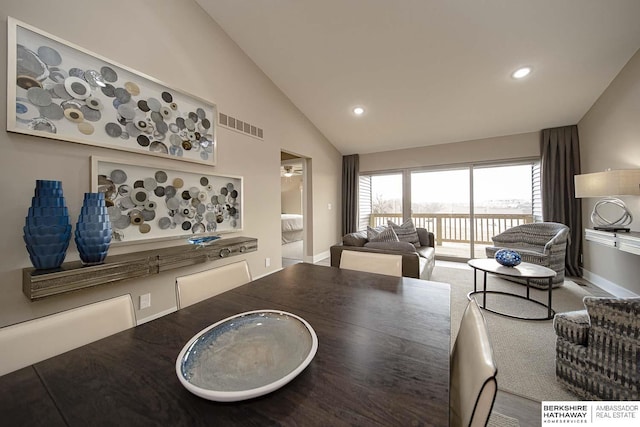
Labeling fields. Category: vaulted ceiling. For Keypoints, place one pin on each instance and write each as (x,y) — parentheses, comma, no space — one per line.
(434,71)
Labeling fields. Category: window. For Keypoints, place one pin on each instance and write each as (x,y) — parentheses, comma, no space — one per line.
(380,199)
(464,206)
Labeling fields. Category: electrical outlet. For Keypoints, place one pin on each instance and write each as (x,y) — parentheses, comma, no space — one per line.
(329,206)
(145,301)
(267,262)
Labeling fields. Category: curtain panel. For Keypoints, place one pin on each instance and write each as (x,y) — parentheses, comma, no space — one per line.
(560,150)
(350,173)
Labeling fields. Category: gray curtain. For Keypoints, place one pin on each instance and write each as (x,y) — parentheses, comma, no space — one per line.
(350,169)
(560,148)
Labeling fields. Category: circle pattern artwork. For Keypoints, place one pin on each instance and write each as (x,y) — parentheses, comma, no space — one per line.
(142,205)
(120,104)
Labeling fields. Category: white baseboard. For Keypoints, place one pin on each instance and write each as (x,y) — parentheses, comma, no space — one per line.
(265,274)
(156,316)
(604,284)
(319,257)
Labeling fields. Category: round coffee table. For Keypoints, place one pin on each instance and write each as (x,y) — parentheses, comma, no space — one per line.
(523,270)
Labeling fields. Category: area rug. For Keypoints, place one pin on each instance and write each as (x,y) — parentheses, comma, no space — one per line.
(524,350)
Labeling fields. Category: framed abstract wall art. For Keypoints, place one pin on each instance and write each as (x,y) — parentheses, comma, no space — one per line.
(146,201)
(61,91)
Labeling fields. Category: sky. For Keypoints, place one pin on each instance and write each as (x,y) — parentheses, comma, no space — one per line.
(452,186)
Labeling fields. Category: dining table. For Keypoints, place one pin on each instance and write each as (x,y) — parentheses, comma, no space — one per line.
(382,359)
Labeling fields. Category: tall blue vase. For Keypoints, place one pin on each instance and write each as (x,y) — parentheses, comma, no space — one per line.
(47,229)
(93,230)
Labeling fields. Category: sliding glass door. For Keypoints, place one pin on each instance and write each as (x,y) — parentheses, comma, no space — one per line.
(502,198)
(440,203)
(463,206)
(381,199)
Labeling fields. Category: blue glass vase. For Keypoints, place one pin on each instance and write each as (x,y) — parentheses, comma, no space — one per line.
(47,230)
(508,257)
(93,230)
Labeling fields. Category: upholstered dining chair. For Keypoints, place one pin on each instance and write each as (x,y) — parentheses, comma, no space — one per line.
(388,264)
(542,243)
(473,372)
(196,287)
(29,342)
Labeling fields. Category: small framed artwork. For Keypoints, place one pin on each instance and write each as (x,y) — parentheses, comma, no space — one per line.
(147,201)
(61,91)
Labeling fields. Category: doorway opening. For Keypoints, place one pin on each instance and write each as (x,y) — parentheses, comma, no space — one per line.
(292,201)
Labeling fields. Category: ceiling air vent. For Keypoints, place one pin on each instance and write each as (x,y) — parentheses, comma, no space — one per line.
(241,126)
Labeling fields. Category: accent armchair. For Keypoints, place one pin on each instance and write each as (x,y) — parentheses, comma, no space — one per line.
(598,349)
(542,243)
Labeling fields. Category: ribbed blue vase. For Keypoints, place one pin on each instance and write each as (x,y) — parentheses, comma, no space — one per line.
(93,230)
(47,229)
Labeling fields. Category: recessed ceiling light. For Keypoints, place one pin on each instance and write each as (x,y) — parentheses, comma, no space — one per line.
(358,111)
(521,72)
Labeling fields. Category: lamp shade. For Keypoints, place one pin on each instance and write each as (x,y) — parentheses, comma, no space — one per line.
(624,182)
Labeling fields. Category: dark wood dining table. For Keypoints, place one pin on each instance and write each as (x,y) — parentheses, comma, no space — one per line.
(382,359)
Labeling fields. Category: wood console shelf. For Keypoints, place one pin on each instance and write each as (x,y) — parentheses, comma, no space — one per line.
(627,242)
(73,275)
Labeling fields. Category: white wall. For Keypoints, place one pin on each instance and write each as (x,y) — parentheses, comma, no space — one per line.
(177,43)
(291,193)
(610,138)
(520,146)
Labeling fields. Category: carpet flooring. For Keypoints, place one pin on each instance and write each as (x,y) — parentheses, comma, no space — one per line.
(524,350)
(292,250)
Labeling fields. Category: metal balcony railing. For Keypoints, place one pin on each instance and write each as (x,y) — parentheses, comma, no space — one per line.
(457,227)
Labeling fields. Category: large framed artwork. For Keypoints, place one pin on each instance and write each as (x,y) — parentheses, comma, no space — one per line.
(61,91)
(147,201)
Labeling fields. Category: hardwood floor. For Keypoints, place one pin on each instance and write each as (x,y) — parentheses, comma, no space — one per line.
(526,411)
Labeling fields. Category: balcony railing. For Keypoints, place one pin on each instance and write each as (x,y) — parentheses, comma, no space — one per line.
(457,227)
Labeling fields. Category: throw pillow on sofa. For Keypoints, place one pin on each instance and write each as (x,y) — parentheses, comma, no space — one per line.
(386,235)
(358,238)
(406,232)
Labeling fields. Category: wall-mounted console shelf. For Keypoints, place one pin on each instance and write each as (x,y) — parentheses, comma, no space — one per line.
(73,275)
(627,242)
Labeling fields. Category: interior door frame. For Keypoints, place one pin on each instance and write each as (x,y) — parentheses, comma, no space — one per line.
(307,235)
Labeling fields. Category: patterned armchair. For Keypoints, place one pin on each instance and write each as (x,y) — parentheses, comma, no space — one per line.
(542,243)
(598,349)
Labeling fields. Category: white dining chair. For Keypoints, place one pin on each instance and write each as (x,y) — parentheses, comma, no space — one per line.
(29,342)
(206,284)
(473,371)
(388,264)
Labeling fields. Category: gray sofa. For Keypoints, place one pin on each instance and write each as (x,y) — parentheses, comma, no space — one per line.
(416,262)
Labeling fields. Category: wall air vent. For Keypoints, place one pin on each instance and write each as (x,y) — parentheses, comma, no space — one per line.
(238,125)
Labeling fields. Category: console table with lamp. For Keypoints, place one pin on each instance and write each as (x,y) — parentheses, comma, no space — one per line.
(624,182)
(610,216)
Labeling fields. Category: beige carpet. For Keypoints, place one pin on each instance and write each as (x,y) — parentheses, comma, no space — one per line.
(524,350)
(292,250)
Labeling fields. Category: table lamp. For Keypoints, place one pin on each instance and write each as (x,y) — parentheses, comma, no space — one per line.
(625,182)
